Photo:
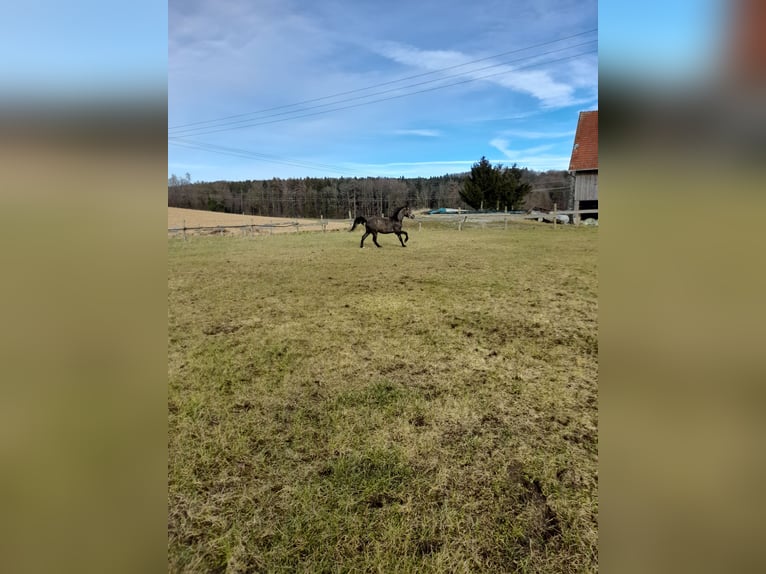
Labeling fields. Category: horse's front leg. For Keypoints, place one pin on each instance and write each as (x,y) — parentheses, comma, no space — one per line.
(399,235)
(406,237)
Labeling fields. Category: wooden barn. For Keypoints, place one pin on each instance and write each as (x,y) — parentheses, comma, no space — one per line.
(583,165)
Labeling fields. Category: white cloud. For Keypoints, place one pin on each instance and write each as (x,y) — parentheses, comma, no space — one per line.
(544,162)
(234,57)
(502,145)
(535,135)
(413,168)
(419,132)
(428,59)
(532,157)
(426,163)
(538,83)
(584,72)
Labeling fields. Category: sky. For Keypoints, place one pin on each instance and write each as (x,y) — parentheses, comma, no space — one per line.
(504,79)
(82,49)
(355,88)
(663,42)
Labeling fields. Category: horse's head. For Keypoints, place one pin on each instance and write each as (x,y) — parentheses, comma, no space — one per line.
(401,212)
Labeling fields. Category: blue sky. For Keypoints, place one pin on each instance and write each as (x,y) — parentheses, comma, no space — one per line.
(505,79)
(516,99)
(662,41)
(82,49)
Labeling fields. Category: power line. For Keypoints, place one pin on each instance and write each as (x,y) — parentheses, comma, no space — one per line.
(374,86)
(246,154)
(237,152)
(465,81)
(237,122)
(260,122)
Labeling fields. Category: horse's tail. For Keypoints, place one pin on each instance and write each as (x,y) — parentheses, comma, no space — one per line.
(357,221)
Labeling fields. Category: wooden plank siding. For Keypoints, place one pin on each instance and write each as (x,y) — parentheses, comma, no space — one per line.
(583,164)
(586,185)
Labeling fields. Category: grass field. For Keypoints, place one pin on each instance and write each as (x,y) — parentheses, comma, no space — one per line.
(428,409)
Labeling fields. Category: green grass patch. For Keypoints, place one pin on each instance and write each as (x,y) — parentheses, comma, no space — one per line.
(428,409)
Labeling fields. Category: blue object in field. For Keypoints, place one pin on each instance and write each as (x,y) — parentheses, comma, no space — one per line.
(445,210)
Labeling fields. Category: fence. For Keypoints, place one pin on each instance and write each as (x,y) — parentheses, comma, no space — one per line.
(474,219)
(460,220)
(323,225)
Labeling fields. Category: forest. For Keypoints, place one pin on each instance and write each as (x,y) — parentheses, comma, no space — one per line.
(340,198)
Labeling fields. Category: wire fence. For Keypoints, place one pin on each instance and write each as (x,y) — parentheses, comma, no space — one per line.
(323,225)
(452,220)
(501,219)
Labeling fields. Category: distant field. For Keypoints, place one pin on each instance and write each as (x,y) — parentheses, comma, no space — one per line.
(178,217)
(428,409)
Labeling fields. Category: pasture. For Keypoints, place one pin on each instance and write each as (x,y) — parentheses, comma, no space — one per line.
(423,409)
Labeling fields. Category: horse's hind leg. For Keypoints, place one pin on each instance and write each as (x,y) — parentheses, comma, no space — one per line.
(363,238)
(375,238)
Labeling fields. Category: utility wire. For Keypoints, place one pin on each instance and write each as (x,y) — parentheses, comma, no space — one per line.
(384,83)
(465,81)
(237,122)
(236,152)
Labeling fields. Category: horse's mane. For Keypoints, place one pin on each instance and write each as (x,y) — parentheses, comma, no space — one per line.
(395,214)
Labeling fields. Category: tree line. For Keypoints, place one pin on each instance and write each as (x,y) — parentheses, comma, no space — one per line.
(485,187)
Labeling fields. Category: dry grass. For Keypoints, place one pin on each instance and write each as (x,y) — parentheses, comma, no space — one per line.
(429,409)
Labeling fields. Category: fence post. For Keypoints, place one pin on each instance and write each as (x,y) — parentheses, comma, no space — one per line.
(184,230)
(420,225)
(555,215)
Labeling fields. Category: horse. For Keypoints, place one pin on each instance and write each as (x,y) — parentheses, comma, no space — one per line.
(377,224)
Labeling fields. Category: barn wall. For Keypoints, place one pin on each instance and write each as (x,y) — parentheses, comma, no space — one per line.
(586,185)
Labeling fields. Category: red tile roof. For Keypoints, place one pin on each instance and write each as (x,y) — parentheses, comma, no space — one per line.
(747,50)
(585,150)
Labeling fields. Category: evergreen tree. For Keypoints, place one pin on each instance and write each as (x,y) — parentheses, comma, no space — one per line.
(495,187)
(480,185)
(511,189)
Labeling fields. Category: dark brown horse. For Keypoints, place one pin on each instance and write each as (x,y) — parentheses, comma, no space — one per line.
(377,224)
